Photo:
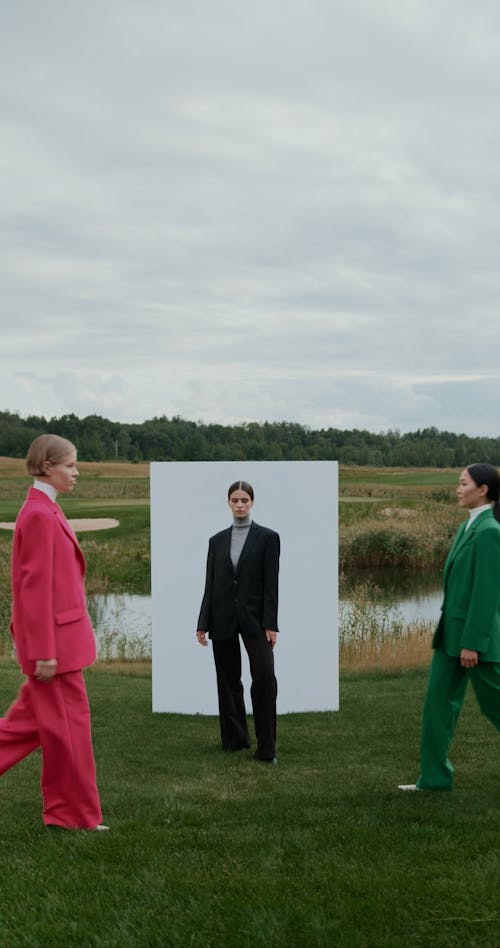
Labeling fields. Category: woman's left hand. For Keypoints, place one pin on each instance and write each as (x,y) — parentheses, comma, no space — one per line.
(271,636)
(468,658)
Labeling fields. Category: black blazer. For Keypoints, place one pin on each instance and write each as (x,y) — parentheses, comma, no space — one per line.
(245,599)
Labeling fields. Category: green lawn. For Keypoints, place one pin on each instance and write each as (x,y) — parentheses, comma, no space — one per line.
(411,476)
(211,849)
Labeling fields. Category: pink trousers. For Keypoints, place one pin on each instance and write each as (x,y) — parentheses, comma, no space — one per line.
(55,716)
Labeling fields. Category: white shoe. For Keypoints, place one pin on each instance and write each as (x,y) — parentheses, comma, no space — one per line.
(408,786)
(73,829)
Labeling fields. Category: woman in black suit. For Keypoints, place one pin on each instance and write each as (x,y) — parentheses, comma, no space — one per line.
(241,599)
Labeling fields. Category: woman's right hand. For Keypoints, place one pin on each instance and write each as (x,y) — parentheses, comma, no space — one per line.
(201,635)
(468,658)
(45,669)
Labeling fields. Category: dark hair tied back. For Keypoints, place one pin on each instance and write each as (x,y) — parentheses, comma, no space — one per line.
(241,485)
(487,474)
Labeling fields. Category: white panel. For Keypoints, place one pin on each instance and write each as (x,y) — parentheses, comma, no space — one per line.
(298,499)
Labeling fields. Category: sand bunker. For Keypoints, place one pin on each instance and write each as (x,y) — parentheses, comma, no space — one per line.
(101,523)
(79,526)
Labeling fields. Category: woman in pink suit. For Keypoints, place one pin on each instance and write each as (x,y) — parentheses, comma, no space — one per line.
(54,640)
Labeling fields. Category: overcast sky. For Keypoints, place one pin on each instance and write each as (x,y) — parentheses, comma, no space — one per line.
(278,210)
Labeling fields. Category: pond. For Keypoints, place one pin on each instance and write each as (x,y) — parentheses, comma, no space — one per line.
(123,622)
(417,597)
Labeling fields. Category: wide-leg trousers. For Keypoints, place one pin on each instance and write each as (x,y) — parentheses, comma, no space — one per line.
(264,689)
(55,716)
(448,682)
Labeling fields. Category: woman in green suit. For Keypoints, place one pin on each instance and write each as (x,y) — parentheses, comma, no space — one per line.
(467,638)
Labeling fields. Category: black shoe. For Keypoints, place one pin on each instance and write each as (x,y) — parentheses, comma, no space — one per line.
(266,760)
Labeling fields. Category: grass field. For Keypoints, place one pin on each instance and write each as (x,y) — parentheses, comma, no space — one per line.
(213,850)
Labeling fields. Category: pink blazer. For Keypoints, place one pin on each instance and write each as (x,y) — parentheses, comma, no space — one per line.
(49,612)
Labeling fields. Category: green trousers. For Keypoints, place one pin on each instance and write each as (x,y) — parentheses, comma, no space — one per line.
(445,695)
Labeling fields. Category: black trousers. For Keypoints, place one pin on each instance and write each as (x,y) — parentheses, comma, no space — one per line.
(232,713)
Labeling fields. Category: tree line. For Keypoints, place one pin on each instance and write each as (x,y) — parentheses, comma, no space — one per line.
(177,439)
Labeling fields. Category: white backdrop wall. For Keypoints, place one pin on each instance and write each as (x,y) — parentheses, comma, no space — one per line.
(298,499)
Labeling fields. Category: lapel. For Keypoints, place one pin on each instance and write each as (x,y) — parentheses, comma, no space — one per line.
(247,546)
(38,497)
(226,547)
(66,527)
(463,538)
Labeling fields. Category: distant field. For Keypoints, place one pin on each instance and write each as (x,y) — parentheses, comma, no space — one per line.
(122,482)
(112,482)
(399,476)
(391,517)
(15,467)
(411,476)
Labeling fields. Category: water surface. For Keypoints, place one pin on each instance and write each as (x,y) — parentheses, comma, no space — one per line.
(123,622)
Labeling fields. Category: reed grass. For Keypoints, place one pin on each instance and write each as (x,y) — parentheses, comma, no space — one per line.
(395,653)
(112,643)
(115,565)
(115,646)
(416,537)
(373,634)
(399,518)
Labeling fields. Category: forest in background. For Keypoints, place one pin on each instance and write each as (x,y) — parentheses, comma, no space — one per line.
(177,439)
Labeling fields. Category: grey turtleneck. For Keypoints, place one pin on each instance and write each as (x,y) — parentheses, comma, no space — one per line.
(239,533)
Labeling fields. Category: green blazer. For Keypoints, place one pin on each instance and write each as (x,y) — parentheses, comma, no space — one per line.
(471,606)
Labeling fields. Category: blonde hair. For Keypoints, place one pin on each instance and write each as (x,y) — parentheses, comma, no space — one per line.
(47,447)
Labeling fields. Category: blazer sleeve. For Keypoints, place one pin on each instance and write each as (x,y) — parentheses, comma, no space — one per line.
(204,618)
(271,571)
(36,588)
(484,602)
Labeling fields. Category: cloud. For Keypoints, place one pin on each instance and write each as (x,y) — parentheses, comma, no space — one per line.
(226,213)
